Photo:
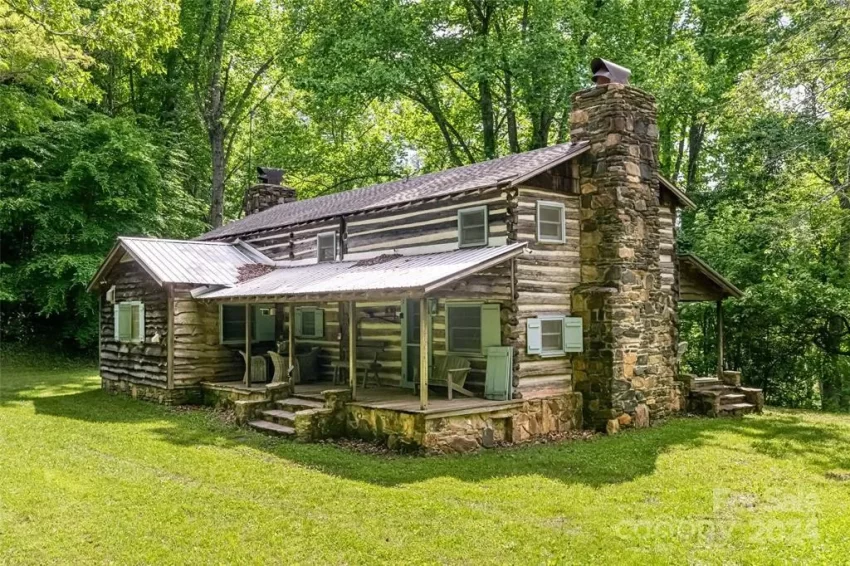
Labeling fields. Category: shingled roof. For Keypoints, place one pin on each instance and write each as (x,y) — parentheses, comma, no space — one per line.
(511,169)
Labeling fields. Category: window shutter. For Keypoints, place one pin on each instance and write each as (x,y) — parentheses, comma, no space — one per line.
(141,329)
(573,334)
(124,322)
(498,382)
(263,325)
(319,315)
(533,337)
(491,326)
(116,317)
(299,314)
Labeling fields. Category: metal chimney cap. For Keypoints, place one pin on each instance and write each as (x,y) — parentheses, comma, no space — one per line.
(605,72)
(270,175)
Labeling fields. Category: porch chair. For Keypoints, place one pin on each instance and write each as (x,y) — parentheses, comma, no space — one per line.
(281,368)
(449,372)
(258,367)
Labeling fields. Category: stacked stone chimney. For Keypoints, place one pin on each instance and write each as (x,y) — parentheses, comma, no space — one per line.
(268,192)
(628,369)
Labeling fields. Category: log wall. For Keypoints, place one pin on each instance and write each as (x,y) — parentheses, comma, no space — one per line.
(144,363)
(545,279)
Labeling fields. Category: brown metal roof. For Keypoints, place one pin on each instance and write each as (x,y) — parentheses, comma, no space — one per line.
(505,170)
(415,274)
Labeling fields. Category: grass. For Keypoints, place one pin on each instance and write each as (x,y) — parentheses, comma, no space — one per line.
(89,478)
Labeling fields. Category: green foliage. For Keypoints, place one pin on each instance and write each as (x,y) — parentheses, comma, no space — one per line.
(68,191)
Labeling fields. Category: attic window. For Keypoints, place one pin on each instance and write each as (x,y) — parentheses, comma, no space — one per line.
(472,227)
(326,244)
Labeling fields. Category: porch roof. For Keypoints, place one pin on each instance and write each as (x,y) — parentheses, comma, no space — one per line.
(384,275)
(698,281)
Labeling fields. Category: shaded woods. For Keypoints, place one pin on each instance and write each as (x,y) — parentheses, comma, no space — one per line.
(148,118)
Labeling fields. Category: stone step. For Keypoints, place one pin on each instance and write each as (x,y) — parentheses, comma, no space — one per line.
(737,409)
(279,416)
(296,404)
(732,398)
(705,383)
(272,428)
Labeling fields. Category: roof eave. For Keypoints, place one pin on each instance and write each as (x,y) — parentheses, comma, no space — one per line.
(726,286)
(678,193)
(573,152)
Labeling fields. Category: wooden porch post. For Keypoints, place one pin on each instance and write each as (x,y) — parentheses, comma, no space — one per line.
(290,314)
(424,352)
(247,344)
(352,348)
(720,339)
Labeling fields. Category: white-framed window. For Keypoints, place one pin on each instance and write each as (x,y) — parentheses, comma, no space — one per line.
(471,328)
(231,323)
(554,335)
(326,246)
(472,227)
(550,222)
(309,322)
(130,321)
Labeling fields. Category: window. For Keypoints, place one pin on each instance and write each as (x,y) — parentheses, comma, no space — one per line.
(550,222)
(326,244)
(472,227)
(472,327)
(309,322)
(130,321)
(232,324)
(554,335)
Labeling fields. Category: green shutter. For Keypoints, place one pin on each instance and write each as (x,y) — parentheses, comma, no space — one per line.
(498,384)
(533,336)
(263,324)
(116,315)
(298,317)
(573,334)
(124,322)
(320,323)
(491,326)
(140,331)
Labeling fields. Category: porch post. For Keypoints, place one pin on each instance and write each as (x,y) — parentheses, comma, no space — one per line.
(424,352)
(352,348)
(720,339)
(248,344)
(290,314)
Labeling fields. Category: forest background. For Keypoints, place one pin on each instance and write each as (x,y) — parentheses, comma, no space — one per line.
(149,117)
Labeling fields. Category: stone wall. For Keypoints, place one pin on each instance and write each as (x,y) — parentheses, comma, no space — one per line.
(515,423)
(629,363)
(155,393)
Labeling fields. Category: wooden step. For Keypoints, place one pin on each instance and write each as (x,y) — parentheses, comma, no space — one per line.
(272,428)
(279,416)
(296,404)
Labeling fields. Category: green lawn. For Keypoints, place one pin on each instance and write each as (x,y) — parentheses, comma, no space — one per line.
(89,478)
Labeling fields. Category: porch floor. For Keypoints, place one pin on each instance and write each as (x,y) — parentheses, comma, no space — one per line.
(403,400)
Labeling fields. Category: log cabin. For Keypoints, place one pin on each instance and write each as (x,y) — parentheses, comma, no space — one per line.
(497,302)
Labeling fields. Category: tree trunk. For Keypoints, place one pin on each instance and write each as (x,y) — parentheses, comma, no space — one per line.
(695,138)
(488,123)
(219,163)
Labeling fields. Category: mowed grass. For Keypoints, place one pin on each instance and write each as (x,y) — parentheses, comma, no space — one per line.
(90,478)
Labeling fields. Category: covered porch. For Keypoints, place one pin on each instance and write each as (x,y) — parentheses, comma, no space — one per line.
(406,331)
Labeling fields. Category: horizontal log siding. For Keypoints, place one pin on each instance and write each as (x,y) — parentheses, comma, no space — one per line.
(545,279)
(198,356)
(429,224)
(143,363)
(667,224)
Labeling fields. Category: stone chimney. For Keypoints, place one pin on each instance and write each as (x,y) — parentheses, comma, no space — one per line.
(628,369)
(268,192)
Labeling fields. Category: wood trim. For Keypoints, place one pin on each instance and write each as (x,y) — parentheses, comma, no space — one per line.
(424,352)
(170,337)
(352,348)
(290,313)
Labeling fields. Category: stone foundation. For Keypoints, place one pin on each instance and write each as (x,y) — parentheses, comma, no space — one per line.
(154,393)
(521,422)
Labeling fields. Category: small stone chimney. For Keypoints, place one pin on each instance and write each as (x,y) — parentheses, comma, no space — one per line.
(627,372)
(268,192)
